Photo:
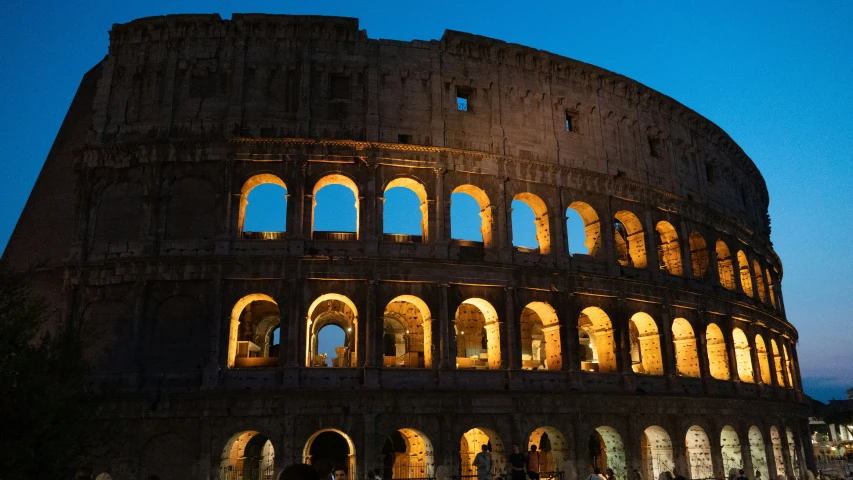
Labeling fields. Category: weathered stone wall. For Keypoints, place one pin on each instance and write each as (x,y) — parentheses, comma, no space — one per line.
(190,112)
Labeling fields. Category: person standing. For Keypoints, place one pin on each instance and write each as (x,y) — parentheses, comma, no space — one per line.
(483,462)
(516,463)
(594,473)
(741,476)
(533,463)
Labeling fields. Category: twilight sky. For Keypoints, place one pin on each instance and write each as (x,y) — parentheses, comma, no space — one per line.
(776,75)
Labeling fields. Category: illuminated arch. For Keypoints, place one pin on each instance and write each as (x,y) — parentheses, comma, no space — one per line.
(236,312)
(541,220)
(698,254)
(630,240)
(745,275)
(718,360)
(324,461)
(409,454)
(777,362)
(788,363)
(699,453)
(333,309)
(606,450)
(486,210)
(592,227)
(540,337)
(684,341)
(335,179)
(477,325)
(725,268)
(471,444)
(247,454)
(763,363)
(730,450)
(759,280)
(657,455)
(248,186)
(669,248)
(552,446)
(645,345)
(418,189)
(598,347)
(414,343)
(776,442)
(742,356)
(792,452)
(756,451)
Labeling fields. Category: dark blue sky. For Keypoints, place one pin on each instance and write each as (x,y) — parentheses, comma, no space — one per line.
(777,76)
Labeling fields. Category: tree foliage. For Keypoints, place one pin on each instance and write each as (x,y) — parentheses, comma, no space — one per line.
(42,386)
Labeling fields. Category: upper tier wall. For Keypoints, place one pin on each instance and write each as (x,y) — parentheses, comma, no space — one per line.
(321,77)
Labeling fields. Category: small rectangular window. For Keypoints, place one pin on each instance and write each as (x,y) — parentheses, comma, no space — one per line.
(655,147)
(710,172)
(401,138)
(570,122)
(462,96)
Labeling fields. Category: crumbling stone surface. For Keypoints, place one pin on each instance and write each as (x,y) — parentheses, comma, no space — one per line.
(666,346)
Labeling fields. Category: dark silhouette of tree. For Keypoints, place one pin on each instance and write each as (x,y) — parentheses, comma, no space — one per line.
(42,387)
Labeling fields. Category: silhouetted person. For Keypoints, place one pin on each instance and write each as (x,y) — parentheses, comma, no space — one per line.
(516,463)
(533,463)
(483,462)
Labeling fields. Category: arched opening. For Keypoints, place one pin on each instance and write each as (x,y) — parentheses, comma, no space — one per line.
(725,268)
(540,222)
(792,453)
(263,207)
(472,443)
(630,240)
(669,248)
(251,341)
(408,454)
(104,476)
(756,451)
(718,359)
(698,255)
(584,229)
(657,453)
(777,363)
(407,333)
(329,450)
(742,356)
(745,276)
(730,450)
(699,453)
(771,289)
(464,212)
(788,362)
(645,345)
(191,210)
(540,338)
(336,317)
(606,450)
(684,341)
(776,442)
(597,347)
(763,363)
(247,455)
(331,218)
(405,212)
(477,335)
(759,280)
(552,447)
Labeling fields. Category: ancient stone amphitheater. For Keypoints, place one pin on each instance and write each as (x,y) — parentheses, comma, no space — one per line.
(660,344)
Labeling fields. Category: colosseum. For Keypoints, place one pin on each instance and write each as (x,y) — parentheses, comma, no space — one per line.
(658,345)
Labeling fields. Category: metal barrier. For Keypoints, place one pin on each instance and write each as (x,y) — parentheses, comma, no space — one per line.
(248,471)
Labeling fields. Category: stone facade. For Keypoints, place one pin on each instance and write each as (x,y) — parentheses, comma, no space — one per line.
(664,347)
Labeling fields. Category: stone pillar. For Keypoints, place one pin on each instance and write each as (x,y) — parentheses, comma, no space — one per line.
(652,254)
(728,327)
(380,218)
(667,346)
(299,226)
(512,357)
(686,253)
(621,339)
(504,224)
(303,330)
(221,323)
(373,329)
(447,336)
(292,321)
(753,357)
(702,350)
(309,202)
(608,243)
(440,231)
(568,316)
